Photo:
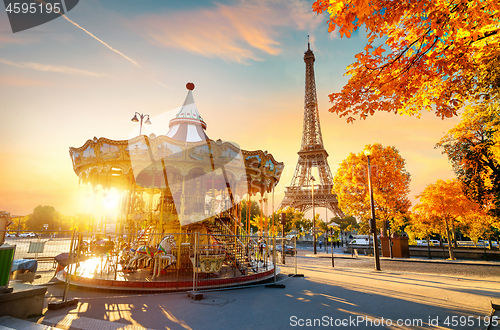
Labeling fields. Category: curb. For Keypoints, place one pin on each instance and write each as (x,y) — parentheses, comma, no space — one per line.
(448,262)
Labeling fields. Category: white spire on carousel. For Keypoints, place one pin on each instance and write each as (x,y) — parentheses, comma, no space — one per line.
(188,126)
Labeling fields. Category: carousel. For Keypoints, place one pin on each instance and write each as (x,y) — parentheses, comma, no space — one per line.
(178,222)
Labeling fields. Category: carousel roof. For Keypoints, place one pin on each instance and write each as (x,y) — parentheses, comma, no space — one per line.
(147,162)
(188,126)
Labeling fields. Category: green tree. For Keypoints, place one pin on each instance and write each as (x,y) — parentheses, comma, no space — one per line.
(345,222)
(254,211)
(43,215)
(82,222)
(295,220)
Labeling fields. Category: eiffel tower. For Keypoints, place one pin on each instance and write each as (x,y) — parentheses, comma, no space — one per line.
(312,153)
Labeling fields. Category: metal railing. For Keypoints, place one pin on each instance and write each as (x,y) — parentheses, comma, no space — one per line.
(39,254)
(155,261)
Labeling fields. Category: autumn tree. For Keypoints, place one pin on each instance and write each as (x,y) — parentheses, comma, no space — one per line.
(423,225)
(473,147)
(419,54)
(390,181)
(441,205)
(477,223)
(261,223)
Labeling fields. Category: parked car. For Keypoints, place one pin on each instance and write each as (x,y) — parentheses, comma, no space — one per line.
(288,249)
(433,242)
(28,235)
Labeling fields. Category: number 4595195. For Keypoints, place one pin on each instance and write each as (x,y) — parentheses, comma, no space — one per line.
(33,8)
(455,321)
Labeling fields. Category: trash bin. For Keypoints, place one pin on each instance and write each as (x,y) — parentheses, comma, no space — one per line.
(6,259)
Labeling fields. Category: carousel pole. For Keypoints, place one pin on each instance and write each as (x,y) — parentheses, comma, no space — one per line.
(249,204)
(261,229)
(272,210)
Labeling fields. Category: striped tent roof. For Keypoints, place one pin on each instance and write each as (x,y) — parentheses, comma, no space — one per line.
(188,125)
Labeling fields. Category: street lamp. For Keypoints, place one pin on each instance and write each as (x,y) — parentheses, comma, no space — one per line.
(142,116)
(314,215)
(373,223)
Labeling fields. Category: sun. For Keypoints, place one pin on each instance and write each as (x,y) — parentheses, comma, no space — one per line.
(111,199)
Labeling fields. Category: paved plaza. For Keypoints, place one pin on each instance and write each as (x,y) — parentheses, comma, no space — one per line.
(326,297)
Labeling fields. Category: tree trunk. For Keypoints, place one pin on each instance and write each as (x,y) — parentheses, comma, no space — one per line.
(454,233)
(442,245)
(429,246)
(450,249)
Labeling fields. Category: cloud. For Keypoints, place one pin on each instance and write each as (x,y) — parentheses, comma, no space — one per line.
(20,82)
(102,42)
(8,39)
(51,68)
(236,33)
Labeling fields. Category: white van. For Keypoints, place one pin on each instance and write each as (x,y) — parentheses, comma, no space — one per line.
(360,241)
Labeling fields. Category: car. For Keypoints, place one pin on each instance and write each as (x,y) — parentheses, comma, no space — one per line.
(288,249)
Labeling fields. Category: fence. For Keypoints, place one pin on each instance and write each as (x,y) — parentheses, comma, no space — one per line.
(37,252)
(147,261)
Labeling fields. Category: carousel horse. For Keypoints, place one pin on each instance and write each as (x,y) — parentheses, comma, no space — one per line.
(166,254)
(147,254)
(141,254)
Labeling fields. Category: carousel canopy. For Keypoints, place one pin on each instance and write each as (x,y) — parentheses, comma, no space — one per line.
(188,126)
(187,168)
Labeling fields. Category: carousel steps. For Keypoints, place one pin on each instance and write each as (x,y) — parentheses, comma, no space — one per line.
(232,253)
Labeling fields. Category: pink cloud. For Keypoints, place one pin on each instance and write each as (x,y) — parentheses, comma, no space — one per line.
(235,33)
(20,82)
(50,68)
(14,39)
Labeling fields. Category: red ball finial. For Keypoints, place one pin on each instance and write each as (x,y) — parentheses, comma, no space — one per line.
(190,86)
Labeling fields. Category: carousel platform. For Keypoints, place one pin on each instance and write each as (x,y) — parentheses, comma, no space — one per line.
(87,275)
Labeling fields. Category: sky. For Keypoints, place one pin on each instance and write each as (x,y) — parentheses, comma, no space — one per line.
(86,74)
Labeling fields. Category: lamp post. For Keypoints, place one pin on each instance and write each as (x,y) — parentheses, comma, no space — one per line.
(142,116)
(373,223)
(314,215)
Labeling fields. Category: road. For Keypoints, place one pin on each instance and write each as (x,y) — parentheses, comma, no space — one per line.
(433,266)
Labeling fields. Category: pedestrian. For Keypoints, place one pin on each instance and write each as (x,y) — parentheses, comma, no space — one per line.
(320,244)
(261,248)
